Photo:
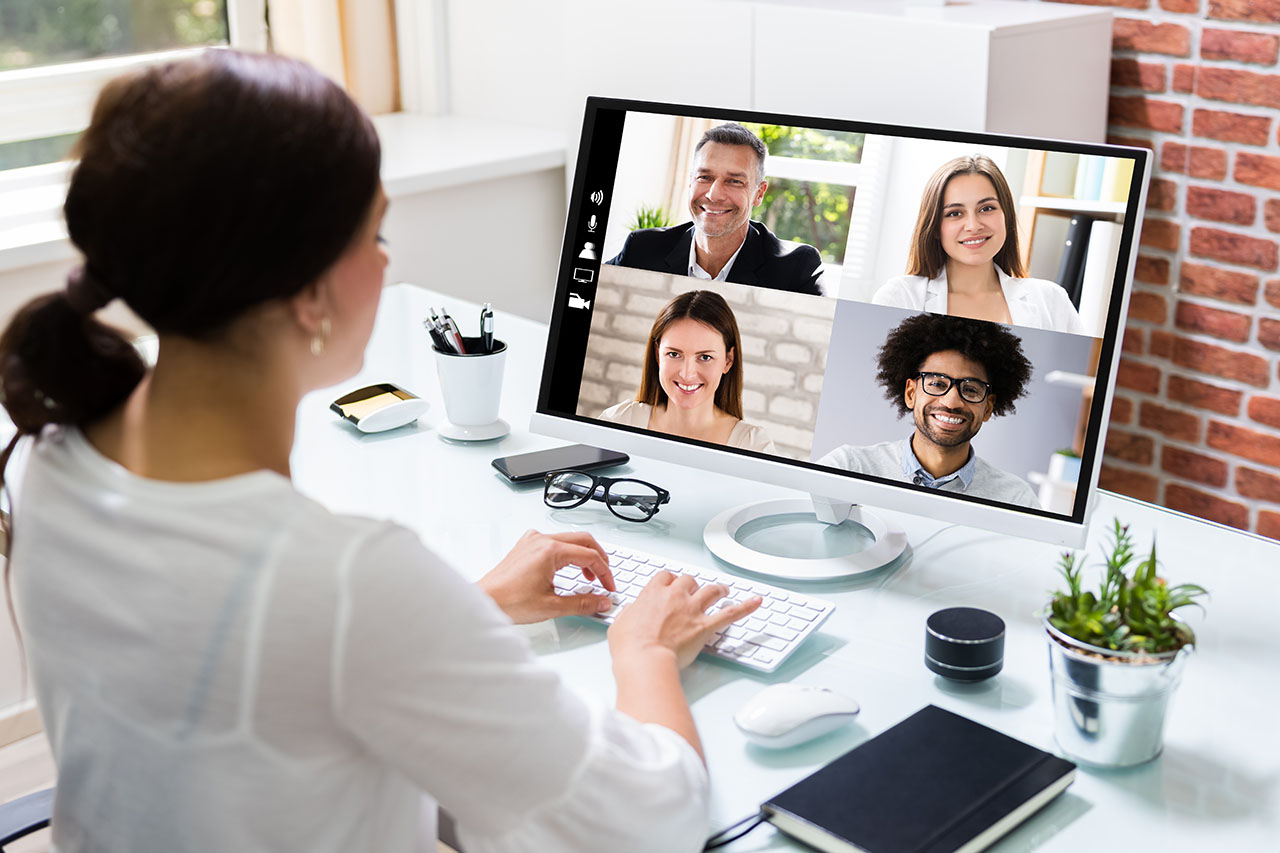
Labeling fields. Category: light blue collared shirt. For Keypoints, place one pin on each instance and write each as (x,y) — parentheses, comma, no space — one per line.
(914,472)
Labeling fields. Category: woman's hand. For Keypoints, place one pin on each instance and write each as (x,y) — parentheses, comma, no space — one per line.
(669,616)
(521,583)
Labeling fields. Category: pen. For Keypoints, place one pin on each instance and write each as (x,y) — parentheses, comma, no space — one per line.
(486,327)
(451,332)
(436,337)
(447,341)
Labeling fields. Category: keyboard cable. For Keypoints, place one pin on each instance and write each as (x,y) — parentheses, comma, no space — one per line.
(720,839)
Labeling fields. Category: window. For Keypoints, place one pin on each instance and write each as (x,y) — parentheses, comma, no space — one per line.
(55,56)
(36,32)
(813,177)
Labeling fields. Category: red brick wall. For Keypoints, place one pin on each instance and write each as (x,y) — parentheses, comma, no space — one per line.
(1196,424)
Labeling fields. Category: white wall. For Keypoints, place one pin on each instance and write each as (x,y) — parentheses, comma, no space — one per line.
(644,170)
(536,63)
(494,241)
(21,284)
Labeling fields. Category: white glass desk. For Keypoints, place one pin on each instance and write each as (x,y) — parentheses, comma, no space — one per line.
(1216,787)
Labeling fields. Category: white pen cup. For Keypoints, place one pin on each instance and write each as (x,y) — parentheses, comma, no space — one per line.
(471,382)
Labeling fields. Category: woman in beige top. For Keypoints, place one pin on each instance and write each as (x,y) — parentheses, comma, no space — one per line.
(692,380)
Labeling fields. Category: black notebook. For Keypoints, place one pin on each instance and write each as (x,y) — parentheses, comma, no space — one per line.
(934,782)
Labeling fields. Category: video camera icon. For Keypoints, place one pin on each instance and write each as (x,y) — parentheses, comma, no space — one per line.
(576,301)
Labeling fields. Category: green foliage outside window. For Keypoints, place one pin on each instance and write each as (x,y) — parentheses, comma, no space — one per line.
(804,142)
(807,211)
(41,32)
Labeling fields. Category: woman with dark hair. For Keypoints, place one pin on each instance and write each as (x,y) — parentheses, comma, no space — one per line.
(964,257)
(692,380)
(221,663)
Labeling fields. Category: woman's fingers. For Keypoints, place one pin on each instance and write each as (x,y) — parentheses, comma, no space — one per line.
(585,604)
(733,612)
(708,595)
(583,551)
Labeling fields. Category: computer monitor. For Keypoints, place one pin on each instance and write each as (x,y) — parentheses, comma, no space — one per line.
(849,365)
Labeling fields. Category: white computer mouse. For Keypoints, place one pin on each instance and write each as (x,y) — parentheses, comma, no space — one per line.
(789,714)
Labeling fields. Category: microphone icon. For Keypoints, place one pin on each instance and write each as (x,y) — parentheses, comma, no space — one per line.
(591,223)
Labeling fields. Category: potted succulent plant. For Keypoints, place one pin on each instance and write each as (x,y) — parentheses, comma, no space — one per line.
(1116,655)
(1064,466)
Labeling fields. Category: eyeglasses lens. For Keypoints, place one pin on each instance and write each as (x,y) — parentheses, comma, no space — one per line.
(938,384)
(974,392)
(632,500)
(569,488)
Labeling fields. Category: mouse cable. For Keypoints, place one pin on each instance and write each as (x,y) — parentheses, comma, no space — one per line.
(720,839)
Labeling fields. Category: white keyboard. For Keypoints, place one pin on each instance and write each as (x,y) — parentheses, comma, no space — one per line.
(761,641)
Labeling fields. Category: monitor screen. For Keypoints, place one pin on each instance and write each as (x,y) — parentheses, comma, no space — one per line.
(920,319)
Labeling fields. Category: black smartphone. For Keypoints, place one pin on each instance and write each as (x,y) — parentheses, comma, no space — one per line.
(524,467)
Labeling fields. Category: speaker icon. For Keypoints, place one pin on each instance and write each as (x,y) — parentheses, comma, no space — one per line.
(598,197)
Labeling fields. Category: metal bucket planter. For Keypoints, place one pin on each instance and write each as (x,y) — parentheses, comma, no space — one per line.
(1109,706)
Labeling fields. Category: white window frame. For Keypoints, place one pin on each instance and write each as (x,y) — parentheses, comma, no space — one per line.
(823,172)
(55,99)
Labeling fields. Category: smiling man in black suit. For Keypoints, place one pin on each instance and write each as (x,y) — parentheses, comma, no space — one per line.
(723,243)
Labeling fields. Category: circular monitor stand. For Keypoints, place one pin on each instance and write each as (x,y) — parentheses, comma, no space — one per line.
(785,539)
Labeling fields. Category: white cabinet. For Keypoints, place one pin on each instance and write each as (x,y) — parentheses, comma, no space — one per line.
(1038,69)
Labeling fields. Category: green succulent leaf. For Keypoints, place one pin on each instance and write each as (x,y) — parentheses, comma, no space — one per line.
(1131,609)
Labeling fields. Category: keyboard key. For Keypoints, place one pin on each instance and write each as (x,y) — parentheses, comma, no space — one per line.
(769,642)
(784,634)
(760,641)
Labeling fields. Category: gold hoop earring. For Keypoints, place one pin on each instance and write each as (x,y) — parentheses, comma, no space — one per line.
(320,338)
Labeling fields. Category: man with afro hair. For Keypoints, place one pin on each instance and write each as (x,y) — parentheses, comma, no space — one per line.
(952,374)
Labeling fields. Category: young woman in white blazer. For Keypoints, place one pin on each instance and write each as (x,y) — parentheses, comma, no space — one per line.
(964,257)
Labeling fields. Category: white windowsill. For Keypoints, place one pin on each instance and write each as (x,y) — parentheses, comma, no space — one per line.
(419,154)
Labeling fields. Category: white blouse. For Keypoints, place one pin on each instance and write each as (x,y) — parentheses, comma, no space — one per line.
(744,435)
(1032,302)
(229,666)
